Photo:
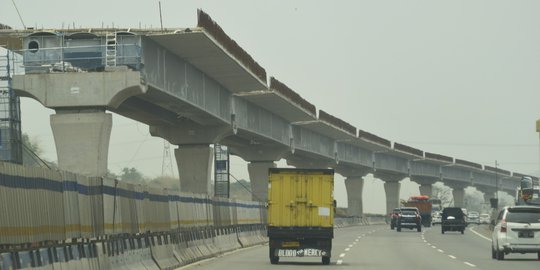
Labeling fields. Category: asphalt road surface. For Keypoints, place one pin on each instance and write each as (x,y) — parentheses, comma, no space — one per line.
(378,247)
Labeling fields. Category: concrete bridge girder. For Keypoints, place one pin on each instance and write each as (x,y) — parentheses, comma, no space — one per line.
(425,169)
(259,152)
(309,163)
(393,164)
(189,133)
(93,89)
(350,170)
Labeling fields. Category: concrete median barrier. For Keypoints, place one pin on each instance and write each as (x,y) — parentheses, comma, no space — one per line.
(163,254)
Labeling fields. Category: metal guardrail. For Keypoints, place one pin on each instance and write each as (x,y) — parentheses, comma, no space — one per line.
(77,58)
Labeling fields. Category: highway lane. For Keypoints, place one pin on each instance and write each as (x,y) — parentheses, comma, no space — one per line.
(378,247)
(474,247)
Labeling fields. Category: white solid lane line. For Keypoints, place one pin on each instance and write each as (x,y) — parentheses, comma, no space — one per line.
(469,264)
(451,256)
(483,237)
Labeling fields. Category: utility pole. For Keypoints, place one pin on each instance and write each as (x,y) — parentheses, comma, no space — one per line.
(496,180)
(538,130)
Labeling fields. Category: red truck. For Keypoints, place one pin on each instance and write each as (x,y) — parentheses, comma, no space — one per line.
(424,206)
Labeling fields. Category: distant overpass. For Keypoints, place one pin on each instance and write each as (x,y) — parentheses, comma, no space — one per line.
(195,87)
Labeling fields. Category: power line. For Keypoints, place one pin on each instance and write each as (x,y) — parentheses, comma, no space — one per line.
(13,1)
(247,189)
(35,157)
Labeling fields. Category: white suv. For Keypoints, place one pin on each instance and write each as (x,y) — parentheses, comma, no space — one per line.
(517,230)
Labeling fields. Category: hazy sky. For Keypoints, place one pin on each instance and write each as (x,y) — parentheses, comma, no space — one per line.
(458,78)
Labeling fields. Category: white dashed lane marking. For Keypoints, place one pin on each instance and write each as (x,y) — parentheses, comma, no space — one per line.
(452,256)
(342,255)
(339,262)
(347,249)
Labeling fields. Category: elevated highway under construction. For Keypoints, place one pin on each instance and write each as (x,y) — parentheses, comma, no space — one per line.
(194,87)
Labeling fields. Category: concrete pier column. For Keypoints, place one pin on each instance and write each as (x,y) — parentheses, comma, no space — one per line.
(355,187)
(261,157)
(426,184)
(426,189)
(82,141)
(459,196)
(488,196)
(258,177)
(392,187)
(392,195)
(195,167)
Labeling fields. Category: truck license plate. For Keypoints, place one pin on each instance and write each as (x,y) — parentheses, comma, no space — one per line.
(526,234)
(302,252)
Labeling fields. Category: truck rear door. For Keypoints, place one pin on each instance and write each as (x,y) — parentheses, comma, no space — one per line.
(300,198)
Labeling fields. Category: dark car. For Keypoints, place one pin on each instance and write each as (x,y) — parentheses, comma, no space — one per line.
(393,217)
(409,218)
(453,219)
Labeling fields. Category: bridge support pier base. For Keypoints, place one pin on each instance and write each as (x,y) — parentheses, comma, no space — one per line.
(82,141)
(194,167)
(354,186)
(258,177)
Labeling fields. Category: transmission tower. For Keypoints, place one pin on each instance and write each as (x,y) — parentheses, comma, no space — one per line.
(10,112)
(221,171)
(166,164)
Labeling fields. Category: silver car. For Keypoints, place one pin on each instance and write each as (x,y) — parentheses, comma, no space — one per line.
(484,218)
(517,230)
(473,218)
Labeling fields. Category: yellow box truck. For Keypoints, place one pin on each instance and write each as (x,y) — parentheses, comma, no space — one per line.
(301,210)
